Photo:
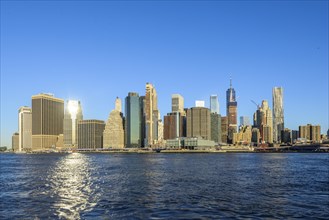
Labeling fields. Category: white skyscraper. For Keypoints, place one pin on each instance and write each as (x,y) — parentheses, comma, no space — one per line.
(278,113)
(73,114)
(25,128)
(214,104)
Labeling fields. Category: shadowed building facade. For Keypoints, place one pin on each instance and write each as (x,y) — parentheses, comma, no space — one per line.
(216,127)
(90,134)
(224,129)
(47,121)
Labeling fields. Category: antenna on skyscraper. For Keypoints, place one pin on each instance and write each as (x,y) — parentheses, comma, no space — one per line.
(230,81)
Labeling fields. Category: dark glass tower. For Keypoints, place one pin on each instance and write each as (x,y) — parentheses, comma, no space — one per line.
(133,120)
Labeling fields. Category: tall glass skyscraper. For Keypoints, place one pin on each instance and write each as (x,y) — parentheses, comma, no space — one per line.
(133,120)
(214,104)
(278,114)
(73,114)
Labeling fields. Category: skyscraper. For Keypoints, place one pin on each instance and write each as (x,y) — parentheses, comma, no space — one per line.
(198,123)
(278,116)
(177,103)
(174,125)
(25,128)
(231,112)
(224,129)
(266,122)
(133,121)
(47,121)
(90,134)
(72,115)
(113,135)
(216,127)
(214,104)
(151,115)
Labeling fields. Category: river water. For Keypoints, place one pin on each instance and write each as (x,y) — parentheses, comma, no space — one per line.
(164,186)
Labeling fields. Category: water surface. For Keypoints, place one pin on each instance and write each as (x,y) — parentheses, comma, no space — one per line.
(143,186)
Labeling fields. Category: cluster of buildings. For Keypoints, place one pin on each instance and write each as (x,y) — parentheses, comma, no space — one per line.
(50,125)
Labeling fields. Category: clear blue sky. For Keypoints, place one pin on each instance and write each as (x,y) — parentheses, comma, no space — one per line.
(95,51)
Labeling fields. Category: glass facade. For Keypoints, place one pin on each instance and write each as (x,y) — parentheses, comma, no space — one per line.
(133,120)
(214,104)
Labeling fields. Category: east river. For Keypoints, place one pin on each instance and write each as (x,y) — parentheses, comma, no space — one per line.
(164,186)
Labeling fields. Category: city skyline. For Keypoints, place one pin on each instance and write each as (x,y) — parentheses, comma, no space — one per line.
(169,53)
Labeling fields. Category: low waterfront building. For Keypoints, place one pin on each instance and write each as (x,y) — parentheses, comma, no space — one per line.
(195,143)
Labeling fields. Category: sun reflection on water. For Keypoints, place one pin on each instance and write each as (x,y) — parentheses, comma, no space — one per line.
(70,186)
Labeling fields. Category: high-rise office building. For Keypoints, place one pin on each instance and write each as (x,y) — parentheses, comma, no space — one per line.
(174,125)
(152,115)
(15,142)
(113,135)
(90,134)
(224,129)
(177,103)
(25,128)
(266,123)
(216,126)
(72,115)
(214,104)
(198,123)
(310,132)
(231,112)
(133,120)
(143,120)
(244,121)
(47,121)
(278,114)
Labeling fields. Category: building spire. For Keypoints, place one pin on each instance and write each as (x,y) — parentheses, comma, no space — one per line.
(230,81)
